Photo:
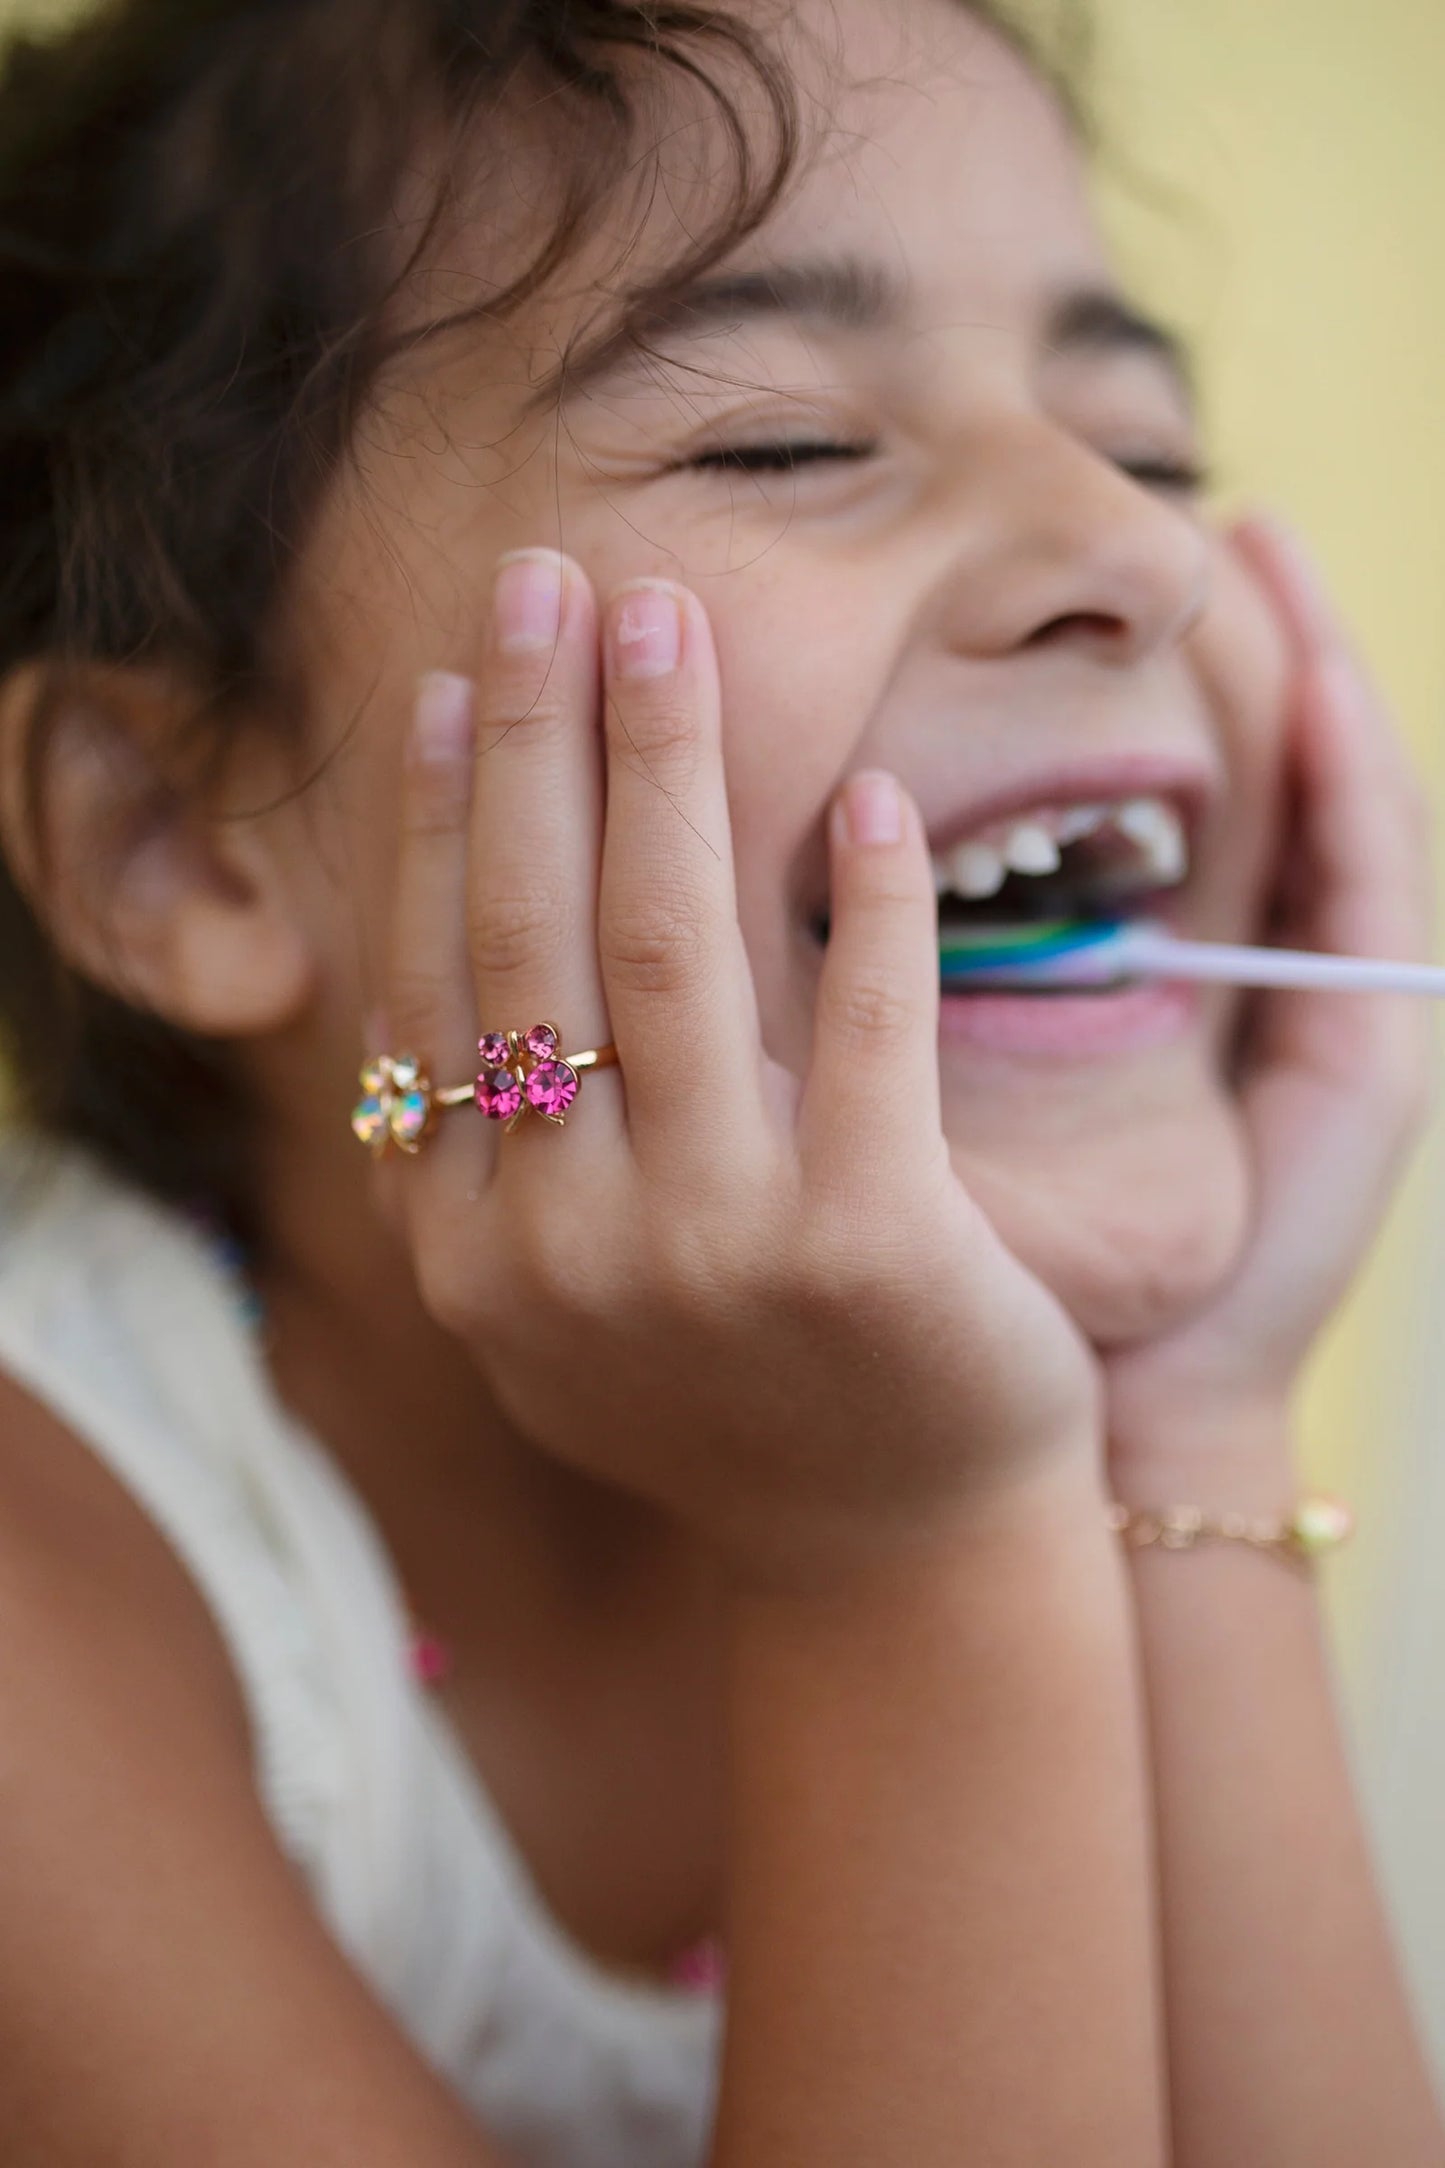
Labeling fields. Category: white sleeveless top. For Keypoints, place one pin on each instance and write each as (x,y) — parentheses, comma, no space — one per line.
(119,1318)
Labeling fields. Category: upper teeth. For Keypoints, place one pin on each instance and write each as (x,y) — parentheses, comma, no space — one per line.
(1155,827)
(1031,849)
(1033,845)
(973,869)
(1081,820)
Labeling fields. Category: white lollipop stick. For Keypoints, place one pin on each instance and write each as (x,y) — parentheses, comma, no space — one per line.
(1149,949)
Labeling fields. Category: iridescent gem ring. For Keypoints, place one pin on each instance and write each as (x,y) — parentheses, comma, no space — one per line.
(522,1072)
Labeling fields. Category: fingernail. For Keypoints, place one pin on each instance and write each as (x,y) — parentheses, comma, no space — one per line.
(527,601)
(871,809)
(644,631)
(443,730)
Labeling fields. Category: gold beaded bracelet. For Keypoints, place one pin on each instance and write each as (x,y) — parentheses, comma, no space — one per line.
(1316,1526)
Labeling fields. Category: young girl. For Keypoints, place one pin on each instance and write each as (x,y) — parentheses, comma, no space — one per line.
(596,513)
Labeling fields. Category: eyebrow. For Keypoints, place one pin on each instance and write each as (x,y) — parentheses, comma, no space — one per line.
(1097,320)
(847,293)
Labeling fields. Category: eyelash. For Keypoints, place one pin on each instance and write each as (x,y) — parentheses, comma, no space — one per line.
(780,458)
(1187,477)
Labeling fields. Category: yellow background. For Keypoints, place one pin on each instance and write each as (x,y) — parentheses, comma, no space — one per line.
(1275,174)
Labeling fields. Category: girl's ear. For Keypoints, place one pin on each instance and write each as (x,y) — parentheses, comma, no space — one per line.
(173,899)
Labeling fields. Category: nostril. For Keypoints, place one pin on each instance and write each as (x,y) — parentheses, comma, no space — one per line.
(1079,624)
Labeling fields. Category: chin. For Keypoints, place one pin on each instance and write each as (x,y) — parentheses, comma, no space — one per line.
(1132,1231)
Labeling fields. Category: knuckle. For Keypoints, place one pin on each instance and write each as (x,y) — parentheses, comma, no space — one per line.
(448,1295)
(527,697)
(851,1257)
(519,928)
(887,888)
(432,805)
(868,1007)
(696,1245)
(660,947)
(420,992)
(553,1273)
(530,707)
(654,730)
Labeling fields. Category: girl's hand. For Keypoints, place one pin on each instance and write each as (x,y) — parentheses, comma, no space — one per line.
(766,1304)
(1336,1084)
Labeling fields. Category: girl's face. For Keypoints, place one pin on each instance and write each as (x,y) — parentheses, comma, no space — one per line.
(984,570)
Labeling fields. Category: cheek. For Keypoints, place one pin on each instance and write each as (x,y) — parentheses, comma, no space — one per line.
(1134,1229)
(800,684)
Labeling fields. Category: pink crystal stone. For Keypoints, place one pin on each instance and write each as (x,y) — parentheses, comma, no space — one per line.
(431,1658)
(499,1095)
(494,1050)
(541,1042)
(701,1970)
(551,1088)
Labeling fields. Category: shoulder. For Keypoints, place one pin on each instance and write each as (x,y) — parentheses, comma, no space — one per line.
(167,1992)
(90,1589)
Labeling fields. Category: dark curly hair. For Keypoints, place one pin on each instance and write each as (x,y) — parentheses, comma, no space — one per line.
(199,245)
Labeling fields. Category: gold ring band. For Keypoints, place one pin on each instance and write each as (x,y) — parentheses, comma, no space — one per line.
(595,1057)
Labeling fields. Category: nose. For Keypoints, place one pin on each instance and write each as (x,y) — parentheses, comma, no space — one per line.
(1056,545)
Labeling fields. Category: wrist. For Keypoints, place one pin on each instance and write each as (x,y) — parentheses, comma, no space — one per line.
(1027,1527)
(1235,1455)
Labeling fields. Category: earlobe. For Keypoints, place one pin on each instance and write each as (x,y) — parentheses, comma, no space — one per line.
(146,887)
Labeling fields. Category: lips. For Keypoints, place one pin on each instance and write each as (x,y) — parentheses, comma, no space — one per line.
(1075,1027)
(1097,837)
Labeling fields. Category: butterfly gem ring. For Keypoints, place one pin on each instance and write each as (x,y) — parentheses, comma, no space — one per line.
(522,1072)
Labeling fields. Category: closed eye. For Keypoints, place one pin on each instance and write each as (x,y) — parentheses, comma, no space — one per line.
(777,458)
(1187,476)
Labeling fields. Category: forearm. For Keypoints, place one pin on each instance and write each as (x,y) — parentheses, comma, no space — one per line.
(941,1941)
(1290,2038)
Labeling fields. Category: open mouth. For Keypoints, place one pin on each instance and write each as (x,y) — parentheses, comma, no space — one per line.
(1061,860)
(1066,861)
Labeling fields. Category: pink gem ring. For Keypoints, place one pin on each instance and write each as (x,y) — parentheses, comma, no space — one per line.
(522,1072)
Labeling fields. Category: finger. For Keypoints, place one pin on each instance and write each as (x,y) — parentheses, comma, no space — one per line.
(1365,827)
(537,814)
(872,1098)
(1339,1081)
(1307,610)
(1363,841)
(430,1011)
(679,988)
